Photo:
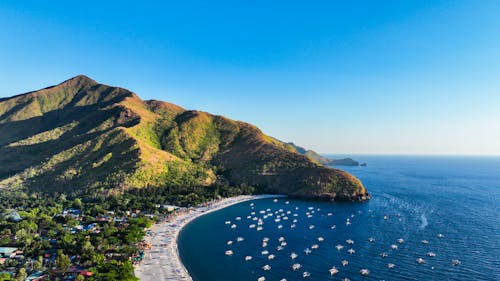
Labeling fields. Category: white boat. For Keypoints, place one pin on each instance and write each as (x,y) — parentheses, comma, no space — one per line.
(311,227)
(345,262)
(364,271)
(265,252)
(271,257)
(386,217)
(306,274)
(394,247)
(440,235)
(229,253)
(424,242)
(315,246)
(333,227)
(384,255)
(233,226)
(266,267)
(321,239)
(279,248)
(265,239)
(281,239)
(228,222)
(262,278)
(420,260)
(275,200)
(371,239)
(239,239)
(339,247)
(329,214)
(259,228)
(248,258)
(296,266)
(280,226)
(349,241)
(390,265)
(401,240)
(230,242)
(238,218)
(252,226)
(333,271)
(293,256)
(307,251)
(347,223)
(455,262)
(351,251)
(283,244)
(264,244)
(431,254)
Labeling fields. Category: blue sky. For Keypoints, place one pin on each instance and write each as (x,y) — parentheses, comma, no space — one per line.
(383,77)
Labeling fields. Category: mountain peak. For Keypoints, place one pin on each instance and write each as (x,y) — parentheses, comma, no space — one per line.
(79,80)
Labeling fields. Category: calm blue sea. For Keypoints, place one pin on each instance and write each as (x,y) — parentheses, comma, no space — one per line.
(420,197)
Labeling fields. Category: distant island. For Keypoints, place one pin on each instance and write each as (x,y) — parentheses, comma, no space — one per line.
(316,157)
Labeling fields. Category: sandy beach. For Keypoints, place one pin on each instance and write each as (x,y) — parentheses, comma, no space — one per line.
(162,261)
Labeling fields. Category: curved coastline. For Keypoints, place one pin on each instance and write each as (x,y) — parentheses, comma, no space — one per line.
(162,261)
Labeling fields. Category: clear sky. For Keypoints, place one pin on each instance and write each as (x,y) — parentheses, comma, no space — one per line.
(346,77)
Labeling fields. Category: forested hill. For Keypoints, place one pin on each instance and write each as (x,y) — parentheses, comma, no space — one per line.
(83,136)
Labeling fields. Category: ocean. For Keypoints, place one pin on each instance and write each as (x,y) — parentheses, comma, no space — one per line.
(420,206)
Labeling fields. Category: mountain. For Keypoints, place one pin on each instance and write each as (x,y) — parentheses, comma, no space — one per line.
(83,136)
(312,155)
(316,157)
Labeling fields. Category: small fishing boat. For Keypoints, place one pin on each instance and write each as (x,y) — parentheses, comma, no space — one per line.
(296,266)
(333,271)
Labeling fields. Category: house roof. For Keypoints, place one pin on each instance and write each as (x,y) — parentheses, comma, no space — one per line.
(7,251)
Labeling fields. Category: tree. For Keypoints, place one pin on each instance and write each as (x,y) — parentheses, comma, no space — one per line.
(4,276)
(114,270)
(80,277)
(77,203)
(62,262)
(21,275)
(37,265)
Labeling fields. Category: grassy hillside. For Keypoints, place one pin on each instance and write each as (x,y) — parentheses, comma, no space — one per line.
(82,136)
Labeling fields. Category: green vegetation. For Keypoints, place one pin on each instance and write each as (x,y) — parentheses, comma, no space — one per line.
(85,166)
(85,138)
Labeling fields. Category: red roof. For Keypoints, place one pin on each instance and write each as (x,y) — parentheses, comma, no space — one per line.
(86,273)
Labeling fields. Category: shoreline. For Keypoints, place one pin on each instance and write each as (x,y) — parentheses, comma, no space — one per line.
(162,261)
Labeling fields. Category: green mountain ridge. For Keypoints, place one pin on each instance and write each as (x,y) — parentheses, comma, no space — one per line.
(85,137)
